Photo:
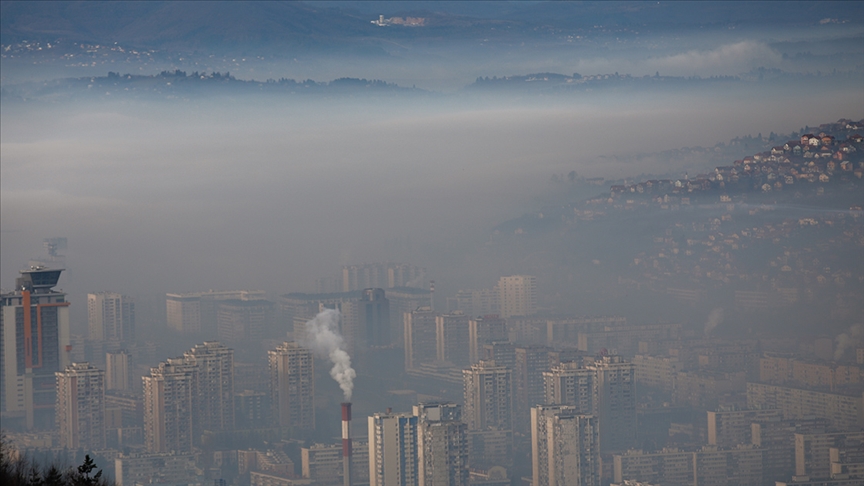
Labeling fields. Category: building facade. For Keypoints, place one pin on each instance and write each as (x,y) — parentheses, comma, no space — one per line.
(484,330)
(292,386)
(80,408)
(168,409)
(111,317)
(421,344)
(517,295)
(393,455)
(214,386)
(34,344)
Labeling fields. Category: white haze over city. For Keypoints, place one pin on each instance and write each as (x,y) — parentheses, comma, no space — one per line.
(271,193)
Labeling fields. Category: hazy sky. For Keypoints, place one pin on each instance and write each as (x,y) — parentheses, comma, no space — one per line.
(271,193)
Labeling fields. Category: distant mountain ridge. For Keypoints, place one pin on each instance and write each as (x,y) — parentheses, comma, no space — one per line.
(298,25)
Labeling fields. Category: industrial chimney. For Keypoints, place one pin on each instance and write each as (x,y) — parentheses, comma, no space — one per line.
(346,443)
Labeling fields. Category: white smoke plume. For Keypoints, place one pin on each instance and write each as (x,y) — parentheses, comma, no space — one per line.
(325,341)
(848,339)
(714,320)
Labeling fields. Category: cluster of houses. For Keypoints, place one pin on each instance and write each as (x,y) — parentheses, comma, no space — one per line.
(813,158)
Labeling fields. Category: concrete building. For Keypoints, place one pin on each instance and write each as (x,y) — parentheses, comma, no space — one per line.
(482,331)
(669,466)
(729,428)
(267,465)
(365,323)
(241,320)
(426,447)
(452,339)
(843,410)
(517,295)
(442,445)
(573,450)
(81,407)
(196,312)
(393,455)
(186,396)
(479,302)
(813,451)
(168,407)
(531,362)
(741,466)
(421,338)
(402,300)
(34,344)
(213,398)
(626,340)
(298,308)
(781,370)
(615,402)
(540,439)
(604,388)
(709,389)
(111,317)
(183,312)
(488,392)
(252,409)
(322,463)
(503,353)
(564,331)
(570,384)
(375,319)
(118,371)
(658,372)
(292,386)
(381,275)
(776,438)
(160,468)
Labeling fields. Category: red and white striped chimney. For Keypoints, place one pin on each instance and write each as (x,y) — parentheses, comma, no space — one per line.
(346,443)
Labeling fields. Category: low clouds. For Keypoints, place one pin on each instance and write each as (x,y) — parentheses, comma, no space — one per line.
(726,59)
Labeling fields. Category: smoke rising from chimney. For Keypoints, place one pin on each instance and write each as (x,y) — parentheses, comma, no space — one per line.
(848,340)
(325,341)
(714,320)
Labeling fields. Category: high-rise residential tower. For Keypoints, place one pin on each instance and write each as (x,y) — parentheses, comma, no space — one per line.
(34,344)
(420,337)
(615,402)
(117,371)
(488,396)
(484,330)
(488,411)
(453,339)
(186,396)
(111,317)
(531,362)
(375,316)
(80,408)
(393,456)
(442,445)
(214,386)
(574,452)
(569,383)
(564,447)
(517,295)
(168,409)
(292,386)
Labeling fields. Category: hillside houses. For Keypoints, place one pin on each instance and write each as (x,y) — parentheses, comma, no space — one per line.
(815,158)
